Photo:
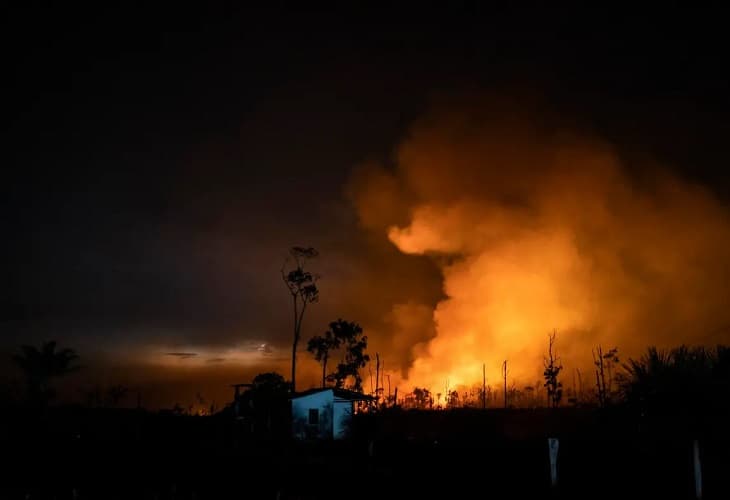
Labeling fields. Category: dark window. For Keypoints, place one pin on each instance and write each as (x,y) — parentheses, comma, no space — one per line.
(314,416)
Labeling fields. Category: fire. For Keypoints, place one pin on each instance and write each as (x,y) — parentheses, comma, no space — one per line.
(498,303)
(535,230)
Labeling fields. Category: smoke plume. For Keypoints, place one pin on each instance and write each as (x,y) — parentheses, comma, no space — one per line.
(538,228)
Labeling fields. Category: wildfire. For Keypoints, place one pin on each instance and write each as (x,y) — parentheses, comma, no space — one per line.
(535,231)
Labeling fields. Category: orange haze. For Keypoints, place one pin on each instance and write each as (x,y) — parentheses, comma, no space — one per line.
(536,228)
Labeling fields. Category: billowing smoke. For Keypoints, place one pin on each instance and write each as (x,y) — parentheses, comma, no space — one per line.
(536,228)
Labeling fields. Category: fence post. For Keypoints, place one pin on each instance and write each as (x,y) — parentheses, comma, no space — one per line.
(697,468)
(553,445)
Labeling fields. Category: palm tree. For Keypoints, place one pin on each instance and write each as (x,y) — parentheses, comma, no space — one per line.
(689,380)
(41,366)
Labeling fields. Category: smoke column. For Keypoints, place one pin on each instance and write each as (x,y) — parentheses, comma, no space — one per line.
(536,227)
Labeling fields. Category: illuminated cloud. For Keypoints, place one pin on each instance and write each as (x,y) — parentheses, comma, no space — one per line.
(182,355)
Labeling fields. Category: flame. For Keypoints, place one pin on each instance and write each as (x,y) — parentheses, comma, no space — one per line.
(534,230)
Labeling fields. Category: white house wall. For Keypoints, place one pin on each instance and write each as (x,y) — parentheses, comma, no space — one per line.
(341,419)
(322,401)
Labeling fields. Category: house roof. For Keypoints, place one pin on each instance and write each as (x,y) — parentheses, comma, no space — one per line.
(340,393)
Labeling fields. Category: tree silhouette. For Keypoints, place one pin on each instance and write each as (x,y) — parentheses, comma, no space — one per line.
(452,399)
(269,385)
(302,286)
(604,362)
(350,336)
(268,399)
(685,380)
(92,396)
(552,370)
(41,366)
(115,394)
(422,397)
(321,345)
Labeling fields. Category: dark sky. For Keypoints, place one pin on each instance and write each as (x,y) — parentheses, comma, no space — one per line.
(160,161)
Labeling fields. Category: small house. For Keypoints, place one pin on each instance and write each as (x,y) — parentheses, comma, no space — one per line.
(324,413)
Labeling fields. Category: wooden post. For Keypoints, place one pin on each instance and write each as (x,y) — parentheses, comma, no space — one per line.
(600,377)
(382,380)
(575,396)
(395,397)
(504,374)
(377,377)
(484,386)
(697,469)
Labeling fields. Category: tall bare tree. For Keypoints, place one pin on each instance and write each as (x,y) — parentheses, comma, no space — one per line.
(604,362)
(302,286)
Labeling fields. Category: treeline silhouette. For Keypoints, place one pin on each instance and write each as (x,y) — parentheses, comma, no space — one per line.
(653,408)
(680,381)
(683,381)
(623,427)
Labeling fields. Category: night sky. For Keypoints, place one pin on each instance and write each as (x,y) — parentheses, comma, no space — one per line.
(161,161)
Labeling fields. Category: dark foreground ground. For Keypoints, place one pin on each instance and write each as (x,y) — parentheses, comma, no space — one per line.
(461,454)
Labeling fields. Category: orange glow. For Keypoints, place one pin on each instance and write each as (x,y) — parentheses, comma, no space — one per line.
(534,231)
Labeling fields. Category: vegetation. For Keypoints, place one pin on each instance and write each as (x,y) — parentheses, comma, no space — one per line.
(116,394)
(605,364)
(351,337)
(265,405)
(41,367)
(302,286)
(269,386)
(683,381)
(422,398)
(552,370)
(321,345)
(98,397)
